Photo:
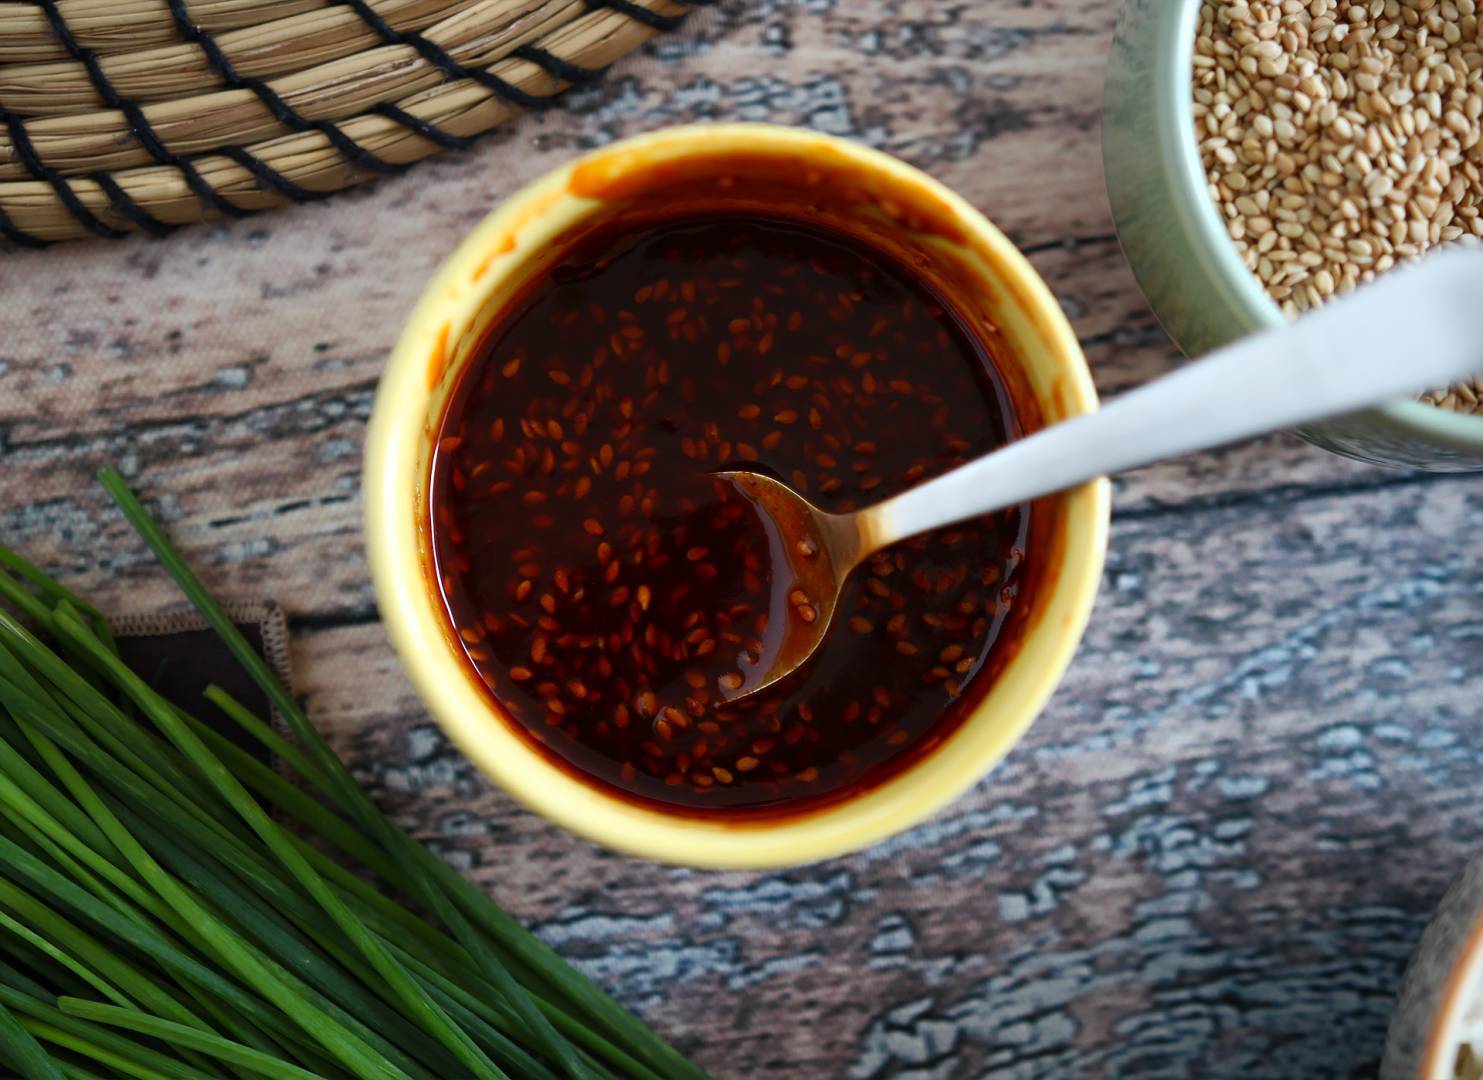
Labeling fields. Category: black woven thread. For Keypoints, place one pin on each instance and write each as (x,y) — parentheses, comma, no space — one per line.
(20,142)
(437,56)
(554,65)
(266,176)
(282,111)
(431,132)
(139,127)
(651,19)
(269,178)
(124,205)
(18,237)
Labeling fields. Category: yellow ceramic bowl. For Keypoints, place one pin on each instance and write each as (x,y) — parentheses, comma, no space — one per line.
(942,235)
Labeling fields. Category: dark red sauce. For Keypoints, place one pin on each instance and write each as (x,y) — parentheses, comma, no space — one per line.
(602,582)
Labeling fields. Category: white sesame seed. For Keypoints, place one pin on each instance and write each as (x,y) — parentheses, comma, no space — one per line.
(1342,137)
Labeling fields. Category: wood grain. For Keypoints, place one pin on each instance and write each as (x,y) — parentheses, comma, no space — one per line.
(1213,853)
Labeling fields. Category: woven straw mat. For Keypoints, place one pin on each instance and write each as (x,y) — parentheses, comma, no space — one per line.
(118,115)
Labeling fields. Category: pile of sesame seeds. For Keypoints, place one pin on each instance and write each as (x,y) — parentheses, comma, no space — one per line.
(1341,139)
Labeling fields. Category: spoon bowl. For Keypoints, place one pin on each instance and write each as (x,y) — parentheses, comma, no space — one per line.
(812,552)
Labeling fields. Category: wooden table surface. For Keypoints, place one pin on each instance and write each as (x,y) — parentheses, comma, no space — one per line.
(1213,853)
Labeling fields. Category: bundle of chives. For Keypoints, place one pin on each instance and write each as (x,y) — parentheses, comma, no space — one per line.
(168,908)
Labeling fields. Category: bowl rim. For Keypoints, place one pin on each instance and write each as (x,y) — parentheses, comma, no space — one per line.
(1407,418)
(415,624)
(1442,1035)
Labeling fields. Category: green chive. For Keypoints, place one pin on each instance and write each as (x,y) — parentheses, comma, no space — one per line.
(180,1035)
(159,923)
(23,1051)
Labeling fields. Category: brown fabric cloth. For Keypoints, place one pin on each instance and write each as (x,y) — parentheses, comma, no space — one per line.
(180,656)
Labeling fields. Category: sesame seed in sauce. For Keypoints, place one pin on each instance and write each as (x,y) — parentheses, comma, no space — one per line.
(608,589)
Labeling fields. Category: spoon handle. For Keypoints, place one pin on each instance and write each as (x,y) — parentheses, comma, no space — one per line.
(1415,328)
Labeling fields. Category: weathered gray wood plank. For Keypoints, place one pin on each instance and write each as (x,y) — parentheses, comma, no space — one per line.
(1217,845)
(1213,852)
